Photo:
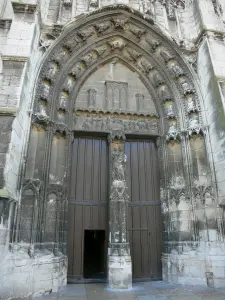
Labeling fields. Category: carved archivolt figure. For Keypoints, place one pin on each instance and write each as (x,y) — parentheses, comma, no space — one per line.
(190,103)
(157,78)
(177,70)
(166,55)
(45,90)
(193,121)
(51,71)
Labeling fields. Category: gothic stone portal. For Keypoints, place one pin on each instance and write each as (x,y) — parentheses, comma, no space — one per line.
(115,74)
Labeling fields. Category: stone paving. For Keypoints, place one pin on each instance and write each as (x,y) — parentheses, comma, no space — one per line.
(140,291)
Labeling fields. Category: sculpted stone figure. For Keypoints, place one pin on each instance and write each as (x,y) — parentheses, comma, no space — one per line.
(164,93)
(117,44)
(77,70)
(51,71)
(166,55)
(136,30)
(93,3)
(157,78)
(177,70)
(45,89)
(63,101)
(101,28)
(187,88)
(69,83)
(118,166)
(86,33)
(146,66)
(154,43)
(190,103)
(172,126)
(193,120)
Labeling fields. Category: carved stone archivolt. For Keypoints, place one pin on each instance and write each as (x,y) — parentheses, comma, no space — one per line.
(94,40)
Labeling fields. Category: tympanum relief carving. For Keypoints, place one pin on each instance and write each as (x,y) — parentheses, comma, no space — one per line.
(104,122)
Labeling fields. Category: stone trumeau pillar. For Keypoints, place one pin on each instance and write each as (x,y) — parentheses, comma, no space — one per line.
(119,259)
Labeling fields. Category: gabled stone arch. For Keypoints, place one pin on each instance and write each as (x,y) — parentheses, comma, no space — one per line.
(84,45)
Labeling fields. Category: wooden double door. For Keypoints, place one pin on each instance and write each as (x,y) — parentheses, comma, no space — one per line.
(88,209)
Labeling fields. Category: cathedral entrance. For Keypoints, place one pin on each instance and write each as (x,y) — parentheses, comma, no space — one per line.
(88,209)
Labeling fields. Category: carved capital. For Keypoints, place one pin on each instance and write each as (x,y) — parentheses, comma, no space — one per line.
(116,135)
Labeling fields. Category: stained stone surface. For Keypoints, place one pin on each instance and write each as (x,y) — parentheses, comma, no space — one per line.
(140,291)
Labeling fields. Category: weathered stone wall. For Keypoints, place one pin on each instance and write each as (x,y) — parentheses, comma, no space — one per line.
(26,31)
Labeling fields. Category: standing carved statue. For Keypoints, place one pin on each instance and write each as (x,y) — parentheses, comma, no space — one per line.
(45,89)
(69,83)
(118,166)
(164,93)
(190,103)
(63,101)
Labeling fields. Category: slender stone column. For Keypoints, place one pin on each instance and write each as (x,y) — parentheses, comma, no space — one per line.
(119,260)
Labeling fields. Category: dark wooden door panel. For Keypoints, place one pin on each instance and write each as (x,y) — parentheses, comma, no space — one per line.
(88,197)
(144,213)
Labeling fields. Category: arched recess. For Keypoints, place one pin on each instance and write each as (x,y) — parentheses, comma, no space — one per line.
(84,46)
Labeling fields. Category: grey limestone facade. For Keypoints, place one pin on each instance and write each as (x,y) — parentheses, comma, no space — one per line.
(145,67)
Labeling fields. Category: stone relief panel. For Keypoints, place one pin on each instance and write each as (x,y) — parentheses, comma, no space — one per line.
(106,122)
(116,88)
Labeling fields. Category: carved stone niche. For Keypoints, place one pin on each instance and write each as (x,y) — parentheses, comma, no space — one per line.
(169,110)
(58,158)
(45,89)
(140,102)
(92,93)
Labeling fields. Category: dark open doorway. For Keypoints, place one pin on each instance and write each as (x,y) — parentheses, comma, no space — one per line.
(94,254)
